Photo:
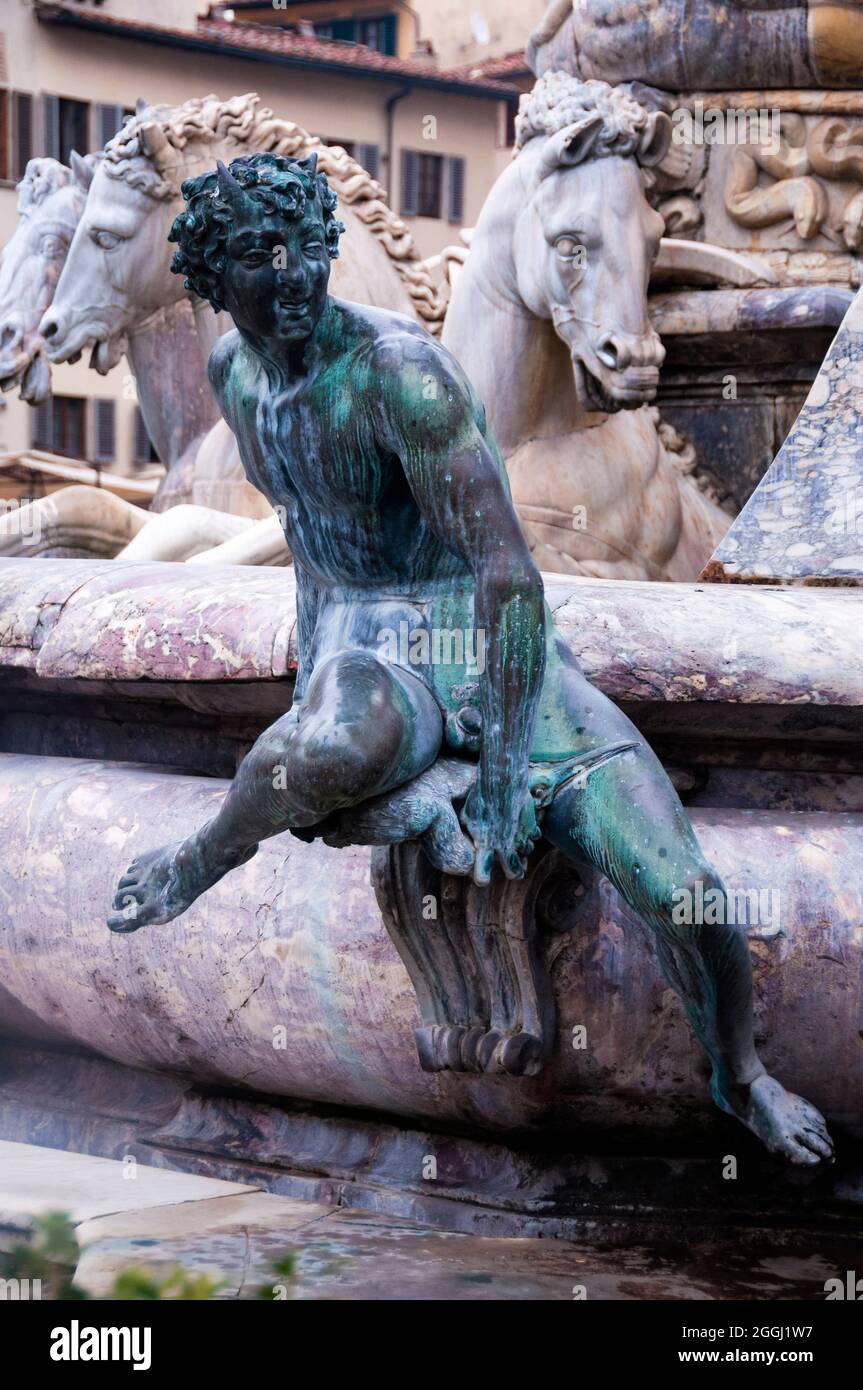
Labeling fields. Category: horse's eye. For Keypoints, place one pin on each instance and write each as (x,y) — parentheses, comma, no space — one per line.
(106,241)
(572,251)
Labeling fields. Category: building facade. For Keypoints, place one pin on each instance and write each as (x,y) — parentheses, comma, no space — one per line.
(361,75)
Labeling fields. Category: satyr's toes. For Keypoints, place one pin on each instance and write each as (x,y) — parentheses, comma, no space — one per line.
(817,1140)
(119,922)
(798,1153)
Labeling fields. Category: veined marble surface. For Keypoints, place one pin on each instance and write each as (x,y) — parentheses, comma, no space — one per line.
(804,522)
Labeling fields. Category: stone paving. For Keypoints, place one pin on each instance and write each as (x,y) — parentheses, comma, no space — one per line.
(160,1219)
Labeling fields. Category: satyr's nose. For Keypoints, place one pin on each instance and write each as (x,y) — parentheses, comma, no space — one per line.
(290,274)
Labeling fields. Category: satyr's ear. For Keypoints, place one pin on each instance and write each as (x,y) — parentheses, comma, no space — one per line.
(83,169)
(656,140)
(571,145)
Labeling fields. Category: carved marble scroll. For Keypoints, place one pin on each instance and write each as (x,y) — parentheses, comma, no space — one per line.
(477,957)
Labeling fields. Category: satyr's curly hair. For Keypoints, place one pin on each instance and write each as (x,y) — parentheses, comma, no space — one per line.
(283,186)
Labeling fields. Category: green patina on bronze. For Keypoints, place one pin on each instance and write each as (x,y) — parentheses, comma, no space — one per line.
(366,435)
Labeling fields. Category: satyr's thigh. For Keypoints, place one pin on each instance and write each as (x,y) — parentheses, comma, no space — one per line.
(373,725)
(363,728)
(626,819)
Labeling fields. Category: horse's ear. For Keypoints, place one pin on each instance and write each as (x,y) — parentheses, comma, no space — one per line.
(83,169)
(153,140)
(572,145)
(141,106)
(656,140)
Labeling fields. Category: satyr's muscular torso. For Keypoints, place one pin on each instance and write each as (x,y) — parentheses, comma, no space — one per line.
(327,453)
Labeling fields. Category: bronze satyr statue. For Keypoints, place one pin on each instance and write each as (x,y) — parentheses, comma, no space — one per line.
(365,434)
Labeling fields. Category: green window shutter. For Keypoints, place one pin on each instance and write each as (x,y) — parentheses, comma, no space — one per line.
(409,196)
(105,450)
(370,158)
(22,133)
(109,120)
(42,427)
(51,127)
(455,189)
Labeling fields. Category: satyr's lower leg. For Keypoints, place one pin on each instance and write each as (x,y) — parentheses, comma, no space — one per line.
(361,730)
(630,824)
(710,967)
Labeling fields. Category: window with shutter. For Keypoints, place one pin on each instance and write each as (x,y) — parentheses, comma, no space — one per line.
(22,133)
(370,158)
(74,128)
(69,426)
(109,120)
(105,450)
(409,183)
(378,33)
(455,190)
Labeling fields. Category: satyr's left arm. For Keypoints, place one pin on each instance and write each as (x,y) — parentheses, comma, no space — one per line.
(458,481)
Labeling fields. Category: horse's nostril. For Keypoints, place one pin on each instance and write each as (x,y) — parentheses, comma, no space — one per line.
(9,336)
(608,354)
(49,328)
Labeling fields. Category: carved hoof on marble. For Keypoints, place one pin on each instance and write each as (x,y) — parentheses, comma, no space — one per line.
(447,1047)
(519,1055)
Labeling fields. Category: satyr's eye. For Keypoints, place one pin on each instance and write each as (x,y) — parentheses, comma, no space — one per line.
(51,245)
(258,255)
(106,241)
(571,250)
(313,248)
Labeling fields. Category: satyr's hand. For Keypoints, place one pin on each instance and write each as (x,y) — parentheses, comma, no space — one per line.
(511,840)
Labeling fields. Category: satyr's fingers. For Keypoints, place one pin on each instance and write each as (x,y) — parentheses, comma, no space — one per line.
(513,865)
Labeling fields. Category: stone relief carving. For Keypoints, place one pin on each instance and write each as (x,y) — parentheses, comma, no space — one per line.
(807,159)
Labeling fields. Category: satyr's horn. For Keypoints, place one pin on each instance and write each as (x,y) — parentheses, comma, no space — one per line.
(310,165)
(230,191)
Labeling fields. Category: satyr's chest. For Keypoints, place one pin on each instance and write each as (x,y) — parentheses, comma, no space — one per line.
(318,451)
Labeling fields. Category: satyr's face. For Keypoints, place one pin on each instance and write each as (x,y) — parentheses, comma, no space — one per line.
(277,272)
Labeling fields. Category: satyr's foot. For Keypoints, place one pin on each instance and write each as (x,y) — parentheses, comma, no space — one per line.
(787,1124)
(159,886)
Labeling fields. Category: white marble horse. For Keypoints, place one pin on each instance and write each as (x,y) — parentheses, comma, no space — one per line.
(549,318)
(117,275)
(50,199)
